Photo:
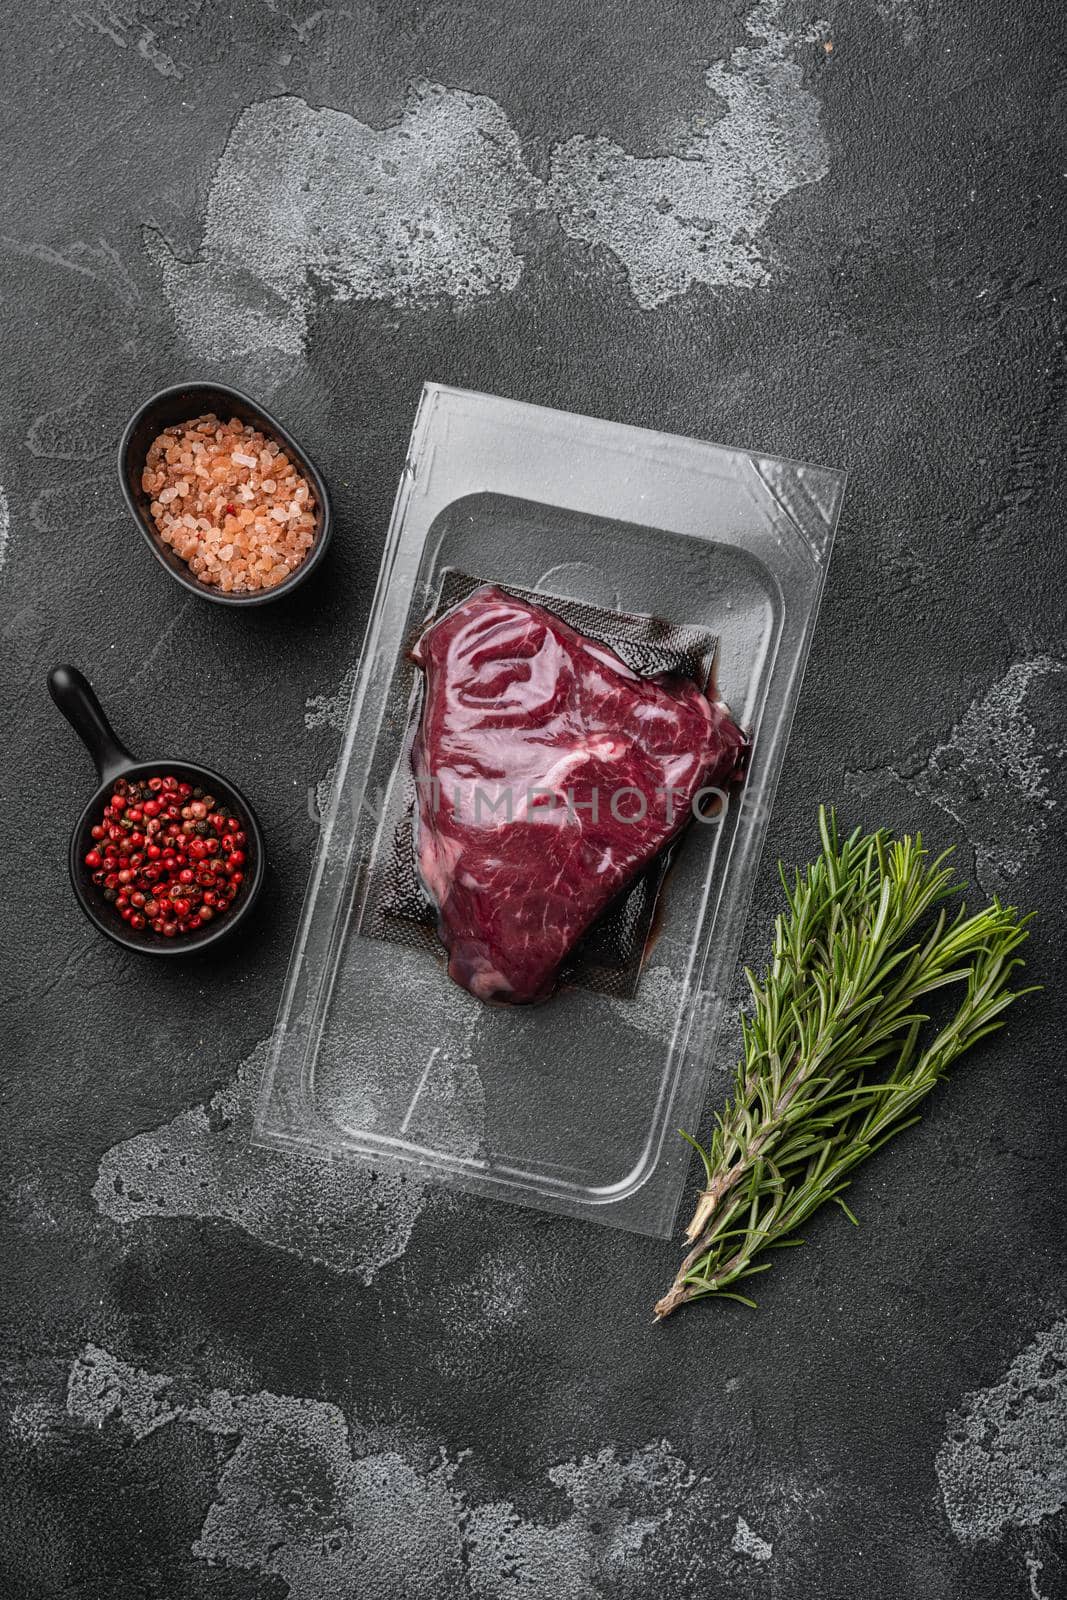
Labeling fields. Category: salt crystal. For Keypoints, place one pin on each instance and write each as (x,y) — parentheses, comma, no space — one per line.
(211,469)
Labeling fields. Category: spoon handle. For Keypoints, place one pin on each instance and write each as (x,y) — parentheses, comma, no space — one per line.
(76,698)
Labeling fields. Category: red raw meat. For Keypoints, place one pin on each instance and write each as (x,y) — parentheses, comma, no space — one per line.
(549,775)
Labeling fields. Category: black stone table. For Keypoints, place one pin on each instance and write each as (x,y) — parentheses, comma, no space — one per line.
(836,235)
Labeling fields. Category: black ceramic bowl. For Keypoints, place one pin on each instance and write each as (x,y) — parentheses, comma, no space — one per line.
(74,696)
(182,403)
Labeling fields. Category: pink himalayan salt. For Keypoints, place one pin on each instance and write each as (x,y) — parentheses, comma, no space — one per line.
(229,501)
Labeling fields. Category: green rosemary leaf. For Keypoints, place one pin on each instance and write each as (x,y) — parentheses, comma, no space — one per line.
(837,1054)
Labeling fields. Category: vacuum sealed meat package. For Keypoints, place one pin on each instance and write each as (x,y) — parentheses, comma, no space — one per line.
(559,761)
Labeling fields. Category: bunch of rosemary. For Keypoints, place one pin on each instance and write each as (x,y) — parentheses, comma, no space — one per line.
(836,1057)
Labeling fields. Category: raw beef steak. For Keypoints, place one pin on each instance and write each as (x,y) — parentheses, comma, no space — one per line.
(548,776)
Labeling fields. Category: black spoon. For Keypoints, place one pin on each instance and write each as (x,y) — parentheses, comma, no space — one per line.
(74,696)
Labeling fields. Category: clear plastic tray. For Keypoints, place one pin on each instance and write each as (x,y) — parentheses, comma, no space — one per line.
(572,1105)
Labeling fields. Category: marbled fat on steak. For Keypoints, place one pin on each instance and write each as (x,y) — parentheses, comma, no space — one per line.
(549,775)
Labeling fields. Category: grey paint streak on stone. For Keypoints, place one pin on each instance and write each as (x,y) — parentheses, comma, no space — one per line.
(295,1501)
(994,774)
(99,263)
(323,792)
(39,1206)
(32,1422)
(996,733)
(120,21)
(307,198)
(330,710)
(1034,1569)
(1003,1461)
(295,1497)
(494,1300)
(908,17)
(200,1164)
(406,214)
(697,216)
(100,1388)
(748,1543)
(618,1503)
(5,528)
(69,433)
(371,1513)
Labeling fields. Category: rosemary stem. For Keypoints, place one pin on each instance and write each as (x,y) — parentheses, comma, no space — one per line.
(840,1049)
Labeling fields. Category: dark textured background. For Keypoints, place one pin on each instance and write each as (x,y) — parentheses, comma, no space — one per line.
(229,1375)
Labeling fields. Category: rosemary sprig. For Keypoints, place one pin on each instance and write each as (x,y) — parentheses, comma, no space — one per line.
(836,1056)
